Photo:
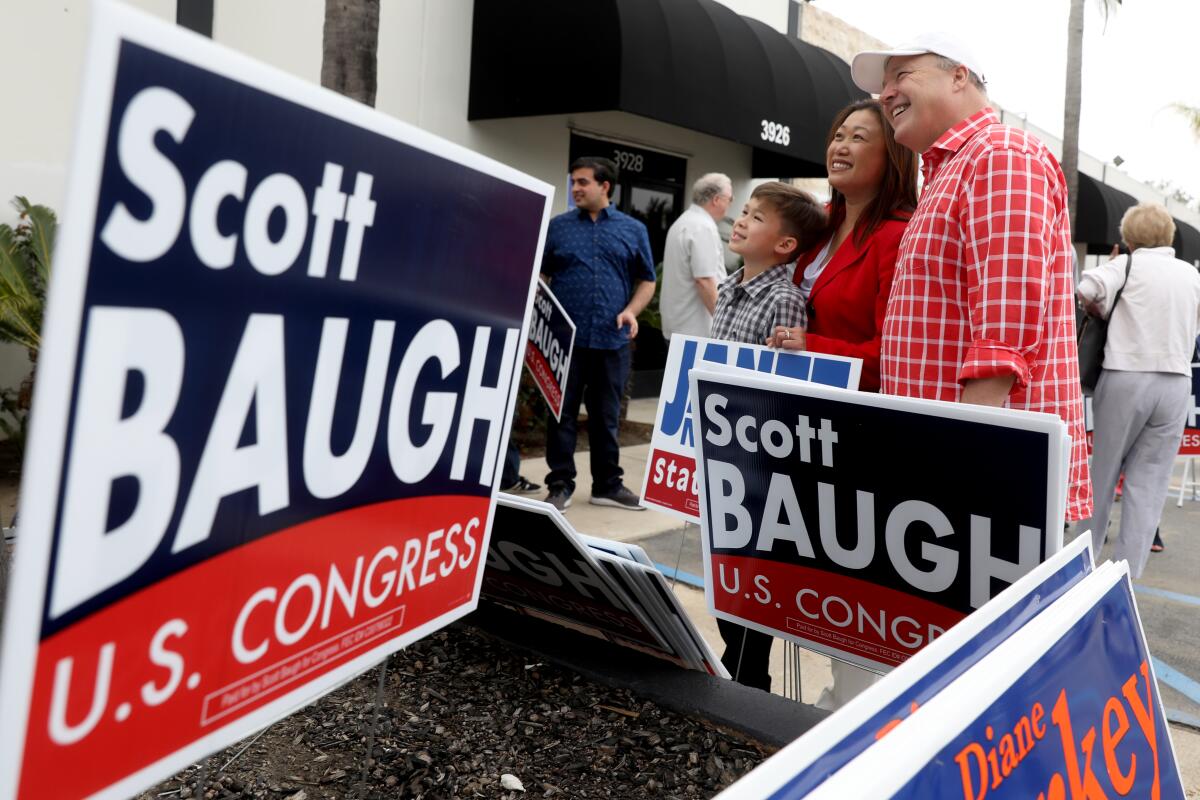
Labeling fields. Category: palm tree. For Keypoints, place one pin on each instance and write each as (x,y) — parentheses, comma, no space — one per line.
(351,42)
(1191,114)
(1070,150)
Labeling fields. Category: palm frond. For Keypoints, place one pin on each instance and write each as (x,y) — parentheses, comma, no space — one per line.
(26,253)
(1107,8)
(14,264)
(1191,114)
(42,230)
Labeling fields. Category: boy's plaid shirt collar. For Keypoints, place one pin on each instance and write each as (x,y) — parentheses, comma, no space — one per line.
(759,283)
(747,312)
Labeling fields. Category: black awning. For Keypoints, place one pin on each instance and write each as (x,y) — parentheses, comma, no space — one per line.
(1098,217)
(1187,242)
(691,63)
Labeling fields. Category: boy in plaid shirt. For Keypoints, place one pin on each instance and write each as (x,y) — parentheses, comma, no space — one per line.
(777,222)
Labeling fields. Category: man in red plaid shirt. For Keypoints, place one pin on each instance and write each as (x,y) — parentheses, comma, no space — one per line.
(981,309)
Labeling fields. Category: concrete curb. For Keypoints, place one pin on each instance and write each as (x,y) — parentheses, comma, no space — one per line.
(765,718)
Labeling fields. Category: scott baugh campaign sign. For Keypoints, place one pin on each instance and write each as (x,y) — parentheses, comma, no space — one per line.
(1068,709)
(806,763)
(281,352)
(861,525)
(551,340)
(670,481)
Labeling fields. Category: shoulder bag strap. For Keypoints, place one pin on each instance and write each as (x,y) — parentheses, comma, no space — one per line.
(1128,266)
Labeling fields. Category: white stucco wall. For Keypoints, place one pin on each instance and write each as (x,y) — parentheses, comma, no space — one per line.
(424,74)
(283,33)
(41,57)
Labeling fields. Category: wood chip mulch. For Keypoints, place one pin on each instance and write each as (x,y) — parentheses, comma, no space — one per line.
(463,716)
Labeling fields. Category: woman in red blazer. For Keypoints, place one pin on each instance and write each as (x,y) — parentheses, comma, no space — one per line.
(846,279)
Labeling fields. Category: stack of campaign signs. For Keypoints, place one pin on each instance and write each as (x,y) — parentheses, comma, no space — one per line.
(1048,691)
(538,565)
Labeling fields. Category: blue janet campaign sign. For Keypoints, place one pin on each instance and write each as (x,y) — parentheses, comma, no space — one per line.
(1067,709)
(670,483)
(803,765)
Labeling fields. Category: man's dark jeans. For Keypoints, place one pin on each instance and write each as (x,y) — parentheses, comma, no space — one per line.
(511,470)
(597,378)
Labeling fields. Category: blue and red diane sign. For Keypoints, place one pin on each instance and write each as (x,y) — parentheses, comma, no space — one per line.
(803,765)
(551,342)
(280,359)
(863,526)
(1067,709)
(670,483)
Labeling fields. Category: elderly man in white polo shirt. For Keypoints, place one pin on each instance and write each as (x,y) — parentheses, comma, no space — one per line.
(694,259)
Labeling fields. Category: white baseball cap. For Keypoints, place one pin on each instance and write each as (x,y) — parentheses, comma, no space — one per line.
(867,67)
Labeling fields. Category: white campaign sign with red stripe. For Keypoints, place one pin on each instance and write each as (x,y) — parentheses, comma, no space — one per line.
(670,481)
(265,429)
(1189,445)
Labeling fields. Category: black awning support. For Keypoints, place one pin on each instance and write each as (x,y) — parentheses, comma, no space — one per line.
(691,63)
(1187,242)
(1098,218)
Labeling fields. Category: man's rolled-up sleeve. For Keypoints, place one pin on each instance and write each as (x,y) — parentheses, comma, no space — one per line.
(707,258)
(1008,226)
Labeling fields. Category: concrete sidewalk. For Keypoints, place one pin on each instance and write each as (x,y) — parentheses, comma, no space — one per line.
(606,521)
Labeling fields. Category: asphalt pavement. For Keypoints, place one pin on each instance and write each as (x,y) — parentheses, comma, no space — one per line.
(1168,598)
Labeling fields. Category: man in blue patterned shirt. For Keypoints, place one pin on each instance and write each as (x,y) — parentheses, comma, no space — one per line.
(599,266)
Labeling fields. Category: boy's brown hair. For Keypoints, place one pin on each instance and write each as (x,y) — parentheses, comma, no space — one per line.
(799,213)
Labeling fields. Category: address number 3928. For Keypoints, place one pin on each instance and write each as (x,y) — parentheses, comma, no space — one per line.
(774,132)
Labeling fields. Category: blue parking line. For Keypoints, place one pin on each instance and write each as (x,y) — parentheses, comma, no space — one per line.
(1191,600)
(681,576)
(1176,680)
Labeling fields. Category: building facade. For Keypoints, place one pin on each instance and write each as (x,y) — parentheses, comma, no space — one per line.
(669,90)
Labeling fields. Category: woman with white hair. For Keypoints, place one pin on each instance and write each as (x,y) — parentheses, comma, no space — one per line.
(1141,399)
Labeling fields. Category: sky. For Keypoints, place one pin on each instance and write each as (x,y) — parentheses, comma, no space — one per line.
(1144,59)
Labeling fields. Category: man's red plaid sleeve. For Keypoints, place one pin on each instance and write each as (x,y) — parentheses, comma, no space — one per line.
(1007,242)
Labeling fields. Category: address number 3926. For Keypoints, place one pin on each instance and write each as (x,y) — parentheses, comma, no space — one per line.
(775,132)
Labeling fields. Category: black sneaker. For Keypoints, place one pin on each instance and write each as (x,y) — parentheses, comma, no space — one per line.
(521,486)
(620,497)
(559,497)
(1157,545)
